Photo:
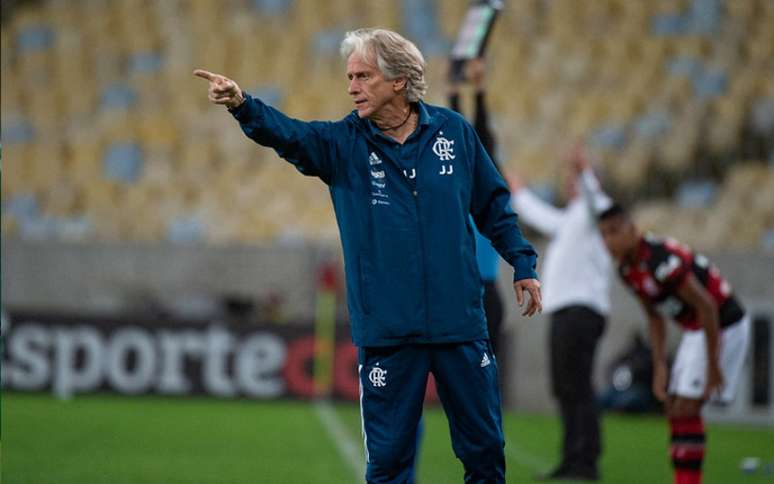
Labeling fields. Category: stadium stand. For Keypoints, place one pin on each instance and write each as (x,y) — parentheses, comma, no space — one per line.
(107,136)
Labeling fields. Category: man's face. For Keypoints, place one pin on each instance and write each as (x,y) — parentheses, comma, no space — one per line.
(369,89)
(619,235)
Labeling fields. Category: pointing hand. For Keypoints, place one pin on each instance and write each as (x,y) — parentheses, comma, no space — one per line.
(222,90)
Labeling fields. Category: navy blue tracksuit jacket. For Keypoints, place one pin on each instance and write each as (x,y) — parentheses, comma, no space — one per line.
(403,215)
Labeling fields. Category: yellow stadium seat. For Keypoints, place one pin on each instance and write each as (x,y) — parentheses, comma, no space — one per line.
(557,71)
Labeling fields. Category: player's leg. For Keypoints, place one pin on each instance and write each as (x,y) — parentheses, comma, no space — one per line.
(686,387)
(688,439)
(392,386)
(466,377)
(734,344)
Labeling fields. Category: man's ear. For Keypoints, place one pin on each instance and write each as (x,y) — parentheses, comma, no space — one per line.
(399,84)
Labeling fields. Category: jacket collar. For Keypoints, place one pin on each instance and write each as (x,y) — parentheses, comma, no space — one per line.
(430,119)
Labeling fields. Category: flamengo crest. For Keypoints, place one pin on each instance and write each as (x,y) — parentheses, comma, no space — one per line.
(378,377)
(443,148)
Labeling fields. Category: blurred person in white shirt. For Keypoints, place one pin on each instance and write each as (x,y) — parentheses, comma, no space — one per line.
(576,279)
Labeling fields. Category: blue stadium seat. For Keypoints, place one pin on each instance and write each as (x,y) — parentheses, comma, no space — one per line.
(696,194)
(123,162)
(17,130)
(34,39)
(118,95)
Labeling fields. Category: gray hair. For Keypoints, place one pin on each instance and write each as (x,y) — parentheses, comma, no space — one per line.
(396,57)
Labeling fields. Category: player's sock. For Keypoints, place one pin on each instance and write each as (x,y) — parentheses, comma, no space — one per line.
(687,450)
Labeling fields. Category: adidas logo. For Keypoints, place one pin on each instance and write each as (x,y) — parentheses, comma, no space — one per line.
(485,361)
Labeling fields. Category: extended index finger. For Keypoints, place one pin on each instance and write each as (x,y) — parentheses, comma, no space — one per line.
(205,74)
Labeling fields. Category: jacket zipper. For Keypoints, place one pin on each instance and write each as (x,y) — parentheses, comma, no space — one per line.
(415,194)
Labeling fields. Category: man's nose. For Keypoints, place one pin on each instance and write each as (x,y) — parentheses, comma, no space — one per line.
(353,87)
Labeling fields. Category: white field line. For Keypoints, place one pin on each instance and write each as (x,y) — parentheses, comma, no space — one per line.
(352,453)
(349,449)
(524,457)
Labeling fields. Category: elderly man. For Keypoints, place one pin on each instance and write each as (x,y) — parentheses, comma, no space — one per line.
(404,178)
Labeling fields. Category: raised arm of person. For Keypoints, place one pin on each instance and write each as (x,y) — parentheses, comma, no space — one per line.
(454,96)
(496,220)
(692,292)
(541,216)
(476,71)
(306,145)
(657,330)
(589,187)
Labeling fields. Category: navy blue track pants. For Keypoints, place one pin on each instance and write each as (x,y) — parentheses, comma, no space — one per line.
(392,388)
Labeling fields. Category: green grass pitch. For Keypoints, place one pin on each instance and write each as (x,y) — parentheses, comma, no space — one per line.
(115,440)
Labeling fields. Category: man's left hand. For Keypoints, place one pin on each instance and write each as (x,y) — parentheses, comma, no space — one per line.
(222,89)
(531,286)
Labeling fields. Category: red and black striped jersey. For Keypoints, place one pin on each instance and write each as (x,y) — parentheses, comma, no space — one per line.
(659,268)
